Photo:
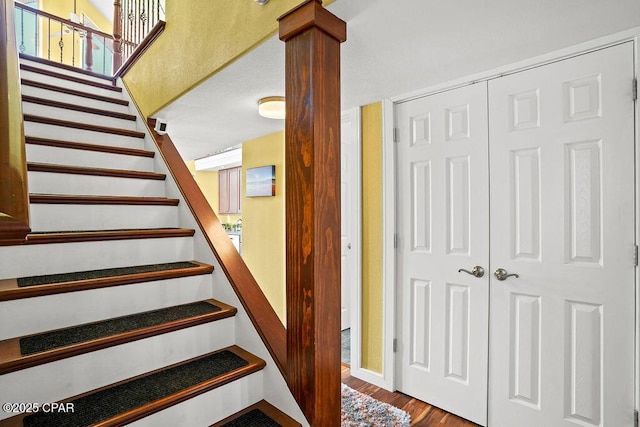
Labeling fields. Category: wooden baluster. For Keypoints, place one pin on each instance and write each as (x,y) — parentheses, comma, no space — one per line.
(312,154)
(88,51)
(14,197)
(117,35)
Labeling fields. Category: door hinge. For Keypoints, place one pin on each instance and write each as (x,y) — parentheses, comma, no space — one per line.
(395,241)
(635,418)
(395,134)
(635,255)
(395,350)
(635,89)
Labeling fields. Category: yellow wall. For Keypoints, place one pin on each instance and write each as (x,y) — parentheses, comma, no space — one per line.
(263,234)
(198,41)
(63,9)
(208,183)
(372,346)
(263,246)
(263,226)
(263,220)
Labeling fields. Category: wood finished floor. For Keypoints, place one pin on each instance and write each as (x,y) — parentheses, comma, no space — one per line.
(422,414)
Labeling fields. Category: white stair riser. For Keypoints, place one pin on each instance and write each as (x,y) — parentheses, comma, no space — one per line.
(73,99)
(59,217)
(69,377)
(210,407)
(35,260)
(64,71)
(40,314)
(76,116)
(42,130)
(62,183)
(29,75)
(95,159)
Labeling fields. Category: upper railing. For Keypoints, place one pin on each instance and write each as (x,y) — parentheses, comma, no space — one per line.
(78,44)
(44,35)
(137,18)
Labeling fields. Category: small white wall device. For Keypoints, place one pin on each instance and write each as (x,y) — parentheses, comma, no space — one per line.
(161,127)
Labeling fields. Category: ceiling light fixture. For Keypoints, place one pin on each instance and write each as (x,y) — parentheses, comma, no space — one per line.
(272,107)
(261,2)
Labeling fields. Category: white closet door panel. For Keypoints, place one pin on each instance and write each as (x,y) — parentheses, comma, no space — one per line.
(562,218)
(443,215)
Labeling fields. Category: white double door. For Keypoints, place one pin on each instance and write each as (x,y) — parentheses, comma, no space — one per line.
(528,176)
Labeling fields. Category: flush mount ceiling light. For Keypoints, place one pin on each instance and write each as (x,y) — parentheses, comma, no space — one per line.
(272,107)
(261,2)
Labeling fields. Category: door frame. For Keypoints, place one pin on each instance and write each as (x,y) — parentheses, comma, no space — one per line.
(353,116)
(389,177)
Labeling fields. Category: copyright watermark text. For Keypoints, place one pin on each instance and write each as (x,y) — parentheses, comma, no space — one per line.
(30,408)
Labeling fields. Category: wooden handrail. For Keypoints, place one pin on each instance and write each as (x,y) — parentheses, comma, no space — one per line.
(312,37)
(140,49)
(14,198)
(257,306)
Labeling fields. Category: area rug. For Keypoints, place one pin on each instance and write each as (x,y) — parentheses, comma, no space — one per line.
(360,410)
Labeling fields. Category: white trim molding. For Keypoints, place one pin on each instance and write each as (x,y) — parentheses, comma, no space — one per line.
(386,378)
(353,115)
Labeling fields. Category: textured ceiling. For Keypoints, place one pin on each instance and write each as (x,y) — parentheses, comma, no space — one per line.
(393,47)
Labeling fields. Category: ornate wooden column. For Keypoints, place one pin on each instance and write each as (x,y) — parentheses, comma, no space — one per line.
(117,35)
(312,154)
(14,197)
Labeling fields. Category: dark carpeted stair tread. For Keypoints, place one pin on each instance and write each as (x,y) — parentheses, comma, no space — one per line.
(27,287)
(98,274)
(24,352)
(88,332)
(254,418)
(132,399)
(261,414)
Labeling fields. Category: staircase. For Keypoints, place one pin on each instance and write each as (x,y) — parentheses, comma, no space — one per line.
(116,306)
